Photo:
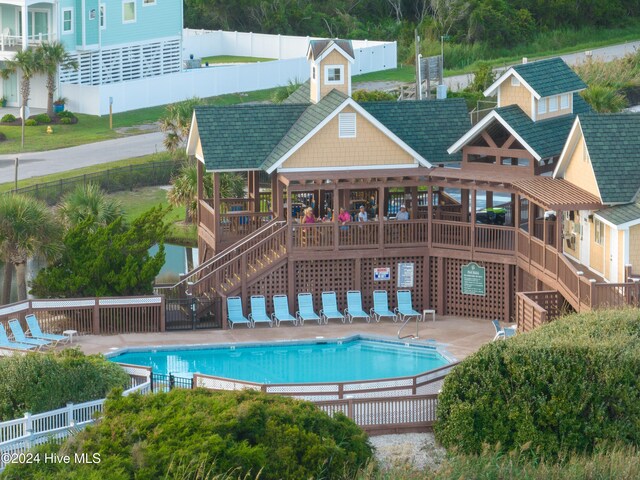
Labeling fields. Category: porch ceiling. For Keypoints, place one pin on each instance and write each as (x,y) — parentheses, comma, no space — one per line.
(556,194)
(370,177)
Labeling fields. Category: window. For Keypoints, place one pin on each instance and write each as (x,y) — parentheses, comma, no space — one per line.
(553,104)
(564,101)
(146,3)
(598,232)
(128,11)
(313,73)
(347,125)
(103,16)
(542,106)
(333,74)
(514,81)
(92,14)
(67,20)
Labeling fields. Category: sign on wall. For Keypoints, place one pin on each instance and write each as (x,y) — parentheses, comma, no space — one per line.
(473,279)
(405,275)
(381,273)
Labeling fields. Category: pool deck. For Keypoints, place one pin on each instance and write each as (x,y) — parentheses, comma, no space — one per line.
(458,336)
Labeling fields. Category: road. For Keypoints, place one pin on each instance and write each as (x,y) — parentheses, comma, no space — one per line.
(35,164)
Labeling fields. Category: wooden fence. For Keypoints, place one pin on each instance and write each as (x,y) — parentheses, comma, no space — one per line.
(534,309)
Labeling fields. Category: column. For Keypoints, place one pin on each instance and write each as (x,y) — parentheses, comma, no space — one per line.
(414,203)
(380,217)
(472,230)
(275,190)
(336,223)
(464,201)
(216,210)
(430,214)
(25,32)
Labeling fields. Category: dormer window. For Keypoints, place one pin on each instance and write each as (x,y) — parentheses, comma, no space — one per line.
(564,101)
(553,104)
(542,106)
(334,74)
(514,81)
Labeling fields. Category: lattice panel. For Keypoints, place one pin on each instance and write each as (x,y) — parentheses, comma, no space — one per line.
(434,279)
(492,305)
(275,283)
(317,276)
(368,285)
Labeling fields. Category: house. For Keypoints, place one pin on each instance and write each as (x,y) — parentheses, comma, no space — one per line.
(112,40)
(482,199)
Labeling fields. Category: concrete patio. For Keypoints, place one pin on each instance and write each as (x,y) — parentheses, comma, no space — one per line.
(459,336)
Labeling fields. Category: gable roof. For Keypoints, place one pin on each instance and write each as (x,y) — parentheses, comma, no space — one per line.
(619,215)
(301,95)
(318,47)
(613,144)
(543,138)
(427,126)
(544,78)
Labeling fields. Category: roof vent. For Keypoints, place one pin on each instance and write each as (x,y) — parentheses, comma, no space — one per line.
(525,59)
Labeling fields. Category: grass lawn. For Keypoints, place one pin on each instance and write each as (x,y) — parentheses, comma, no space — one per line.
(235,59)
(140,200)
(91,128)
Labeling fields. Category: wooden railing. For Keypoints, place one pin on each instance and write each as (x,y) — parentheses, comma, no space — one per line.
(319,236)
(451,234)
(206,216)
(534,309)
(406,233)
(236,225)
(359,235)
(612,295)
(493,238)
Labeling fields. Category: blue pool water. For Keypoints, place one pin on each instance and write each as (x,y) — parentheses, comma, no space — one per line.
(298,363)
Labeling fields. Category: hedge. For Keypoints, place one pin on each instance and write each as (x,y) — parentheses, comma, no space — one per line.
(244,434)
(566,387)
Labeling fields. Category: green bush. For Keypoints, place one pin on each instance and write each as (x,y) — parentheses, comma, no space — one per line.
(245,433)
(373,96)
(8,118)
(565,387)
(42,118)
(65,114)
(40,382)
(31,122)
(66,121)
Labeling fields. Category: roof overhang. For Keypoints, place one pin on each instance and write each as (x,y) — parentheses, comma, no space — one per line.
(367,177)
(193,138)
(556,194)
(330,48)
(489,92)
(479,127)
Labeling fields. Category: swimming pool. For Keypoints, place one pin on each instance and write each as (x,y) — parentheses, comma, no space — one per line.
(299,362)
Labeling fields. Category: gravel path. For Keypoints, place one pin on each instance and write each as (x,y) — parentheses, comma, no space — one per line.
(417,450)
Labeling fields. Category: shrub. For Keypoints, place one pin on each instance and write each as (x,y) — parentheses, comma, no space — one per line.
(66,121)
(66,114)
(604,99)
(40,382)
(8,118)
(3,137)
(373,96)
(565,387)
(247,433)
(31,122)
(42,118)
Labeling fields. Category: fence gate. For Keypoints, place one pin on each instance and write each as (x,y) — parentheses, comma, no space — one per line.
(163,383)
(192,313)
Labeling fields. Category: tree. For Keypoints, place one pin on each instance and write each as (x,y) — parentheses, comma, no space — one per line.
(447,13)
(27,230)
(176,123)
(111,260)
(604,99)
(88,201)
(29,64)
(284,92)
(53,55)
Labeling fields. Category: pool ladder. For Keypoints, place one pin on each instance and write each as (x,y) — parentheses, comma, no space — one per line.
(404,324)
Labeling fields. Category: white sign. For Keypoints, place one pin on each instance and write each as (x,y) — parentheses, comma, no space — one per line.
(405,275)
(381,273)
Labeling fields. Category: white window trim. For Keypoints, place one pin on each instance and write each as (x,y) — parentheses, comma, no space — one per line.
(348,116)
(102,16)
(64,32)
(564,101)
(146,3)
(553,104)
(600,229)
(135,11)
(542,103)
(326,75)
(515,82)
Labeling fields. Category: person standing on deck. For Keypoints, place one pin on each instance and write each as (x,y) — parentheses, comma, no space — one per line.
(402,214)
(362,215)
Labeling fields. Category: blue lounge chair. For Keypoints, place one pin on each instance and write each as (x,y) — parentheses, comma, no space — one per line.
(259,311)
(381,306)
(405,307)
(354,307)
(281,310)
(503,332)
(36,332)
(305,309)
(330,308)
(20,337)
(6,343)
(234,312)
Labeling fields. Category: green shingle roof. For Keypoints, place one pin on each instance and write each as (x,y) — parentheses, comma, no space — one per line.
(428,126)
(301,95)
(613,143)
(621,213)
(319,46)
(240,137)
(546,137)
(550,77)
(310,119)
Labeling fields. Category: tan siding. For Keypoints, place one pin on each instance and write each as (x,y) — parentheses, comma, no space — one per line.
(608,251)
(370,147)
(596,252)
(557,113)
(621,234)
(334,58)
(510,95)
(580,172)
(634,248)
(313,83)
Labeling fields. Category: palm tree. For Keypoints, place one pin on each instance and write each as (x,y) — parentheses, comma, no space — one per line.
(29,63)
(176,123)
(53,55)
(27,230)
(88,201)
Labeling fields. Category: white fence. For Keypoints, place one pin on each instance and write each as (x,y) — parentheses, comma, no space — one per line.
(218,80)
(20,435)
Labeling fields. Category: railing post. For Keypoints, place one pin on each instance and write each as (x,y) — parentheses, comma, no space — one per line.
(96,317)
(163,312)
(172,382)
(430,216)
(70,420)
(151,385)
(579,273)
(592,293)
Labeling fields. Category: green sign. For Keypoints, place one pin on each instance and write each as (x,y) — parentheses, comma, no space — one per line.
(473,279)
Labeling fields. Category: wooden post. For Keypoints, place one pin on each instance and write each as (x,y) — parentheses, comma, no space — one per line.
(250,190)
(200,166)
(274,195)
(430,215)
(336,222)
(442,286)
(516,220)
(96,317)
(380,219)
(489,198)
(426,281)
(464,202)
(291,287)
(532,225)
(473,222)
(559,227)
(256,190)
(243,277)
(414,203)
(216,211)
(163,319)
(508,292)
(279,200)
